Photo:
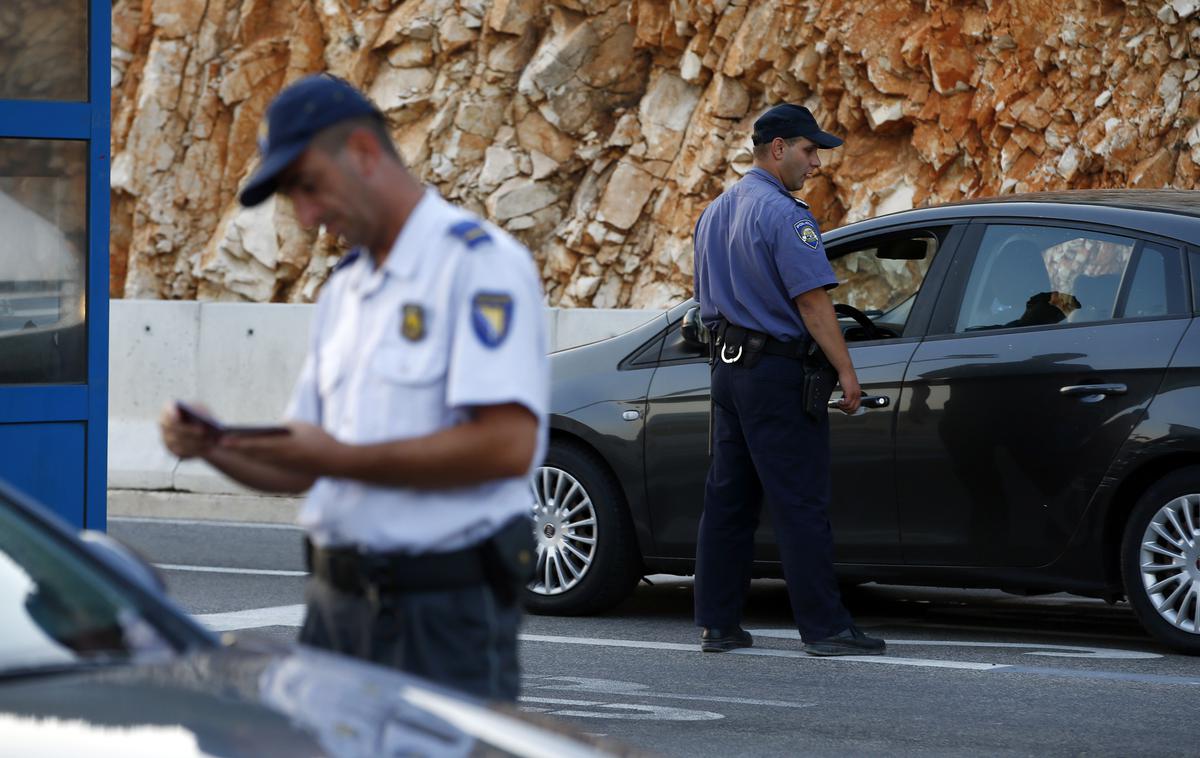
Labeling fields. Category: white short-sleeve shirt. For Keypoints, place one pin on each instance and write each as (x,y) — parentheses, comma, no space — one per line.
(451,320)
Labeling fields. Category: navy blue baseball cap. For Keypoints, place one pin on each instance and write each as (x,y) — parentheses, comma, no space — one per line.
(302,110)
(787,121)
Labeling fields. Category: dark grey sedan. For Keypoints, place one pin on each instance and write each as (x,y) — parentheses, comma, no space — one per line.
(1041,359)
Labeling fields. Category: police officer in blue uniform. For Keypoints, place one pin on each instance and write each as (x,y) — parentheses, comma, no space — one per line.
(418,415)
(761,277)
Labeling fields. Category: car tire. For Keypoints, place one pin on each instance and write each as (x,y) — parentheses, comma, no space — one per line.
(1160,560)
(587,554)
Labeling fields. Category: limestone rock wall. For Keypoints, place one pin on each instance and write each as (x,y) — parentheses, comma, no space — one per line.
(597,130)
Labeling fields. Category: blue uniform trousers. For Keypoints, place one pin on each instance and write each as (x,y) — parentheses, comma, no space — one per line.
(764,444)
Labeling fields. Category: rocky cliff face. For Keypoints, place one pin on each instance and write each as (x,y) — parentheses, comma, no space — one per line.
(597,130)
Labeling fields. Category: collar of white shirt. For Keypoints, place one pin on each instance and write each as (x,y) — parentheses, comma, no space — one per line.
(410,246)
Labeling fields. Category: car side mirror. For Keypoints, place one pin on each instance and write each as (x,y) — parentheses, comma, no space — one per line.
(692,329)
(122,558)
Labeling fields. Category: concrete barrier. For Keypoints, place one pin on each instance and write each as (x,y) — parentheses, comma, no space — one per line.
(241,360)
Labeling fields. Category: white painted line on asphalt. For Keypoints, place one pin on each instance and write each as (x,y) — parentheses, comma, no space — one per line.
(253,618)
(228,570)
(293,615)
(1034,648)
(626,711)
(618,688)
(886,660)
(695,647)
(202,522)
(606,642)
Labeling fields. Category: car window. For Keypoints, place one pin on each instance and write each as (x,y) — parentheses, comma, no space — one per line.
(676,349)
(881,275)
(57,609)
(1027,276)
(1156,288)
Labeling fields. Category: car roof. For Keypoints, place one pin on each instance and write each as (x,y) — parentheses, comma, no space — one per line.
(1171,213)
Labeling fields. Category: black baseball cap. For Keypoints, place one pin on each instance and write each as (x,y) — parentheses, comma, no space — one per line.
(787,121)
(296,115)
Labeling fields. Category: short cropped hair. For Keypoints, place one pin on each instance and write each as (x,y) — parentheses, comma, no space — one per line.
(761,150)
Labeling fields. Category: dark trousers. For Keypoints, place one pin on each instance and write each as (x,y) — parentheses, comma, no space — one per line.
(464,639)
(764,444)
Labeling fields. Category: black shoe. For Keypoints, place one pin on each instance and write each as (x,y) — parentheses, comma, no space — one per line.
(714,640)
(847,642)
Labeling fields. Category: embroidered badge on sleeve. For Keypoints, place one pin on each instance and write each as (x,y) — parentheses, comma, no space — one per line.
(807,232)
(491,317)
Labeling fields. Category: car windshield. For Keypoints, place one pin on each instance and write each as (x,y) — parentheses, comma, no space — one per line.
(59,612)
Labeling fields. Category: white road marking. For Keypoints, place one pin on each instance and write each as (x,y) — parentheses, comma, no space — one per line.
(695,647)
(625,711)
(1034,648)
(253,618)
(293,615)
(635,689)
(690,647)
(228,570)
(202,522)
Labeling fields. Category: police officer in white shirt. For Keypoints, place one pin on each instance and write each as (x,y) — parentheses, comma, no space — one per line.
(420,411)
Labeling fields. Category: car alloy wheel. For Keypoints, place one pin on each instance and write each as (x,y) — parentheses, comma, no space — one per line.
(565,529)
(1170,562)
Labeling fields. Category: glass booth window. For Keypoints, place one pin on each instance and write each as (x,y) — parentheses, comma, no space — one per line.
(44,50)
(43,261)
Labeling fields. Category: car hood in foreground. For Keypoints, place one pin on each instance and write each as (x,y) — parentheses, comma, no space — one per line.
(259,698)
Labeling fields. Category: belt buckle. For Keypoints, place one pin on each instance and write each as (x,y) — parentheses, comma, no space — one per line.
(725,354)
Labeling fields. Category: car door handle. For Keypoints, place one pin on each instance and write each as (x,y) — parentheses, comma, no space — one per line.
(1093,392)
(866,401)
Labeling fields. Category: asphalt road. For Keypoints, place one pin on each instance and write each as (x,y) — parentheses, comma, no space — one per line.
(967,672)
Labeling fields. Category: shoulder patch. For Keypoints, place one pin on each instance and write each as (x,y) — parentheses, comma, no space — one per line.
(491,316)
(347,259)
(471,233)
(806,230)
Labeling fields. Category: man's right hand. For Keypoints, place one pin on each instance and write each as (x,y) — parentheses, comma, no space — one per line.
(851,392)
(184,439)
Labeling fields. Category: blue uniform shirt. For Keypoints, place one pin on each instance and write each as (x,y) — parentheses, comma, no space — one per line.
(756,249)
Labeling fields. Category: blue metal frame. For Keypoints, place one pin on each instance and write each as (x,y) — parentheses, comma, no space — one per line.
(79,404)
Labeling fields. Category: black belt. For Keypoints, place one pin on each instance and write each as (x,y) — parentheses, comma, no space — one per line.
(732,334)
(367,574)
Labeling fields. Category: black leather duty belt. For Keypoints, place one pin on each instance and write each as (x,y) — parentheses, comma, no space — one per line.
(367,574)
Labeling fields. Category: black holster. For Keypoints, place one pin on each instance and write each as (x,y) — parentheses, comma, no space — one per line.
(508,559)
(819,380)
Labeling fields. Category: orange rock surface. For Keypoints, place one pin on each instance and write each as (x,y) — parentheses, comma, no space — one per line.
(597,130)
